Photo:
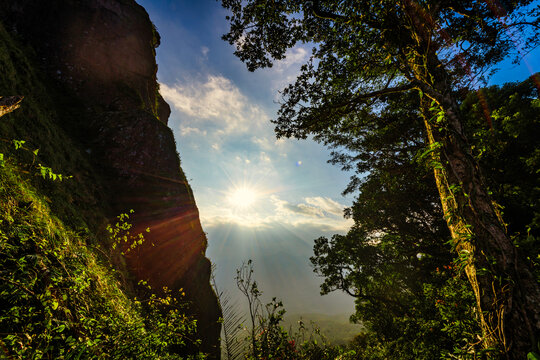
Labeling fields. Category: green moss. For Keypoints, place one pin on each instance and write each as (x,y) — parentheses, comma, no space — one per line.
(60,299)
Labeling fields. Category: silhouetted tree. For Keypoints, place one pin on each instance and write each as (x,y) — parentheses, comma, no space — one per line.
(367,50)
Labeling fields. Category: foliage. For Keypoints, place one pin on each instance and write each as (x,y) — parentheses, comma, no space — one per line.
(365,53)
(394,260)
(60,296)
(44,171)
(121,236)
(506,145)
(397,299)
(337,329)
(232,320)
(39,123)
(248,287)
(365,50)
(270,340)
(60,300)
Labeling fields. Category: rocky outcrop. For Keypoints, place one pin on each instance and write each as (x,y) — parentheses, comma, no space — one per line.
(102,52)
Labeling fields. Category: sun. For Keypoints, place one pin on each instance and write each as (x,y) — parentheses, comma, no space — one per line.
(242,197)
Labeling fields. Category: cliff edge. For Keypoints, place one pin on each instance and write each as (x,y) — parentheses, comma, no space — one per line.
(99,55)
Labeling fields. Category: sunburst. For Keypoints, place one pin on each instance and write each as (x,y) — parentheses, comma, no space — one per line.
(243,197)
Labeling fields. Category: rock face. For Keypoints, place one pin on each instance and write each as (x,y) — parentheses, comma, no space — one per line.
(102,52)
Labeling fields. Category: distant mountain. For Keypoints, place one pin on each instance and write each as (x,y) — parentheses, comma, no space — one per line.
(281,259)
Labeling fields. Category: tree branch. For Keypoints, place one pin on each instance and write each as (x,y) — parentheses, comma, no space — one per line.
(384,91)
(318,12)
(533,24)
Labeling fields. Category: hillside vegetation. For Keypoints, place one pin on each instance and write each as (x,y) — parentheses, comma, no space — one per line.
(61,300)
(63,294)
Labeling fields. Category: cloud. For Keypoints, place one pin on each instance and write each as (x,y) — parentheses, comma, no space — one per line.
(242,159)
(270,211)
(287,70)
(216,103)
(187,130)
(205,51)
(270,143)
(294,56)
(313,206)
(327,205)
(285,208)
(264,157)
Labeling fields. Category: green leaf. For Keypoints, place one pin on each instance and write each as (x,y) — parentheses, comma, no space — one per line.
(18,144)
(533,356)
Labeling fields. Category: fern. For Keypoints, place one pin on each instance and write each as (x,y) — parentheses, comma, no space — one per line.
(231,323)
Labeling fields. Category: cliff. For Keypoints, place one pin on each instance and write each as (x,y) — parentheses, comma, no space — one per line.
(93,90)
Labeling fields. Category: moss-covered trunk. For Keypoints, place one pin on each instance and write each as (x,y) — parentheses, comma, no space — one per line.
(507,295)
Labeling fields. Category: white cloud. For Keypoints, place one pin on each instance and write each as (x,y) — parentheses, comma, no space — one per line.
(216,102)
(205,51)
(264,157)
(297,55)
(315,211)
(326,204)
(187,130)
(300,216)
(270,211)
(287,70)
(287,209)
(270,143)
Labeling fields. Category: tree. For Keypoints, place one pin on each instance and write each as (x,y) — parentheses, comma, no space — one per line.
(248,287)
(396,261)
(410,309)
(364,51)
(396,219)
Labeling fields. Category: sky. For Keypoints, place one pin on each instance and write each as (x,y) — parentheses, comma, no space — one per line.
(259,198)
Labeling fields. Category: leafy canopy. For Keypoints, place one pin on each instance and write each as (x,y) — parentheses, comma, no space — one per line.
(396,261)
(365,49)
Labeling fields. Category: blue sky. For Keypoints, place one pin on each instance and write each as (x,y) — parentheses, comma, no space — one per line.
(221,121)
(258,198)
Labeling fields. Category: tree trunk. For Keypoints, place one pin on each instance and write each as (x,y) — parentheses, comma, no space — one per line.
(507,295)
